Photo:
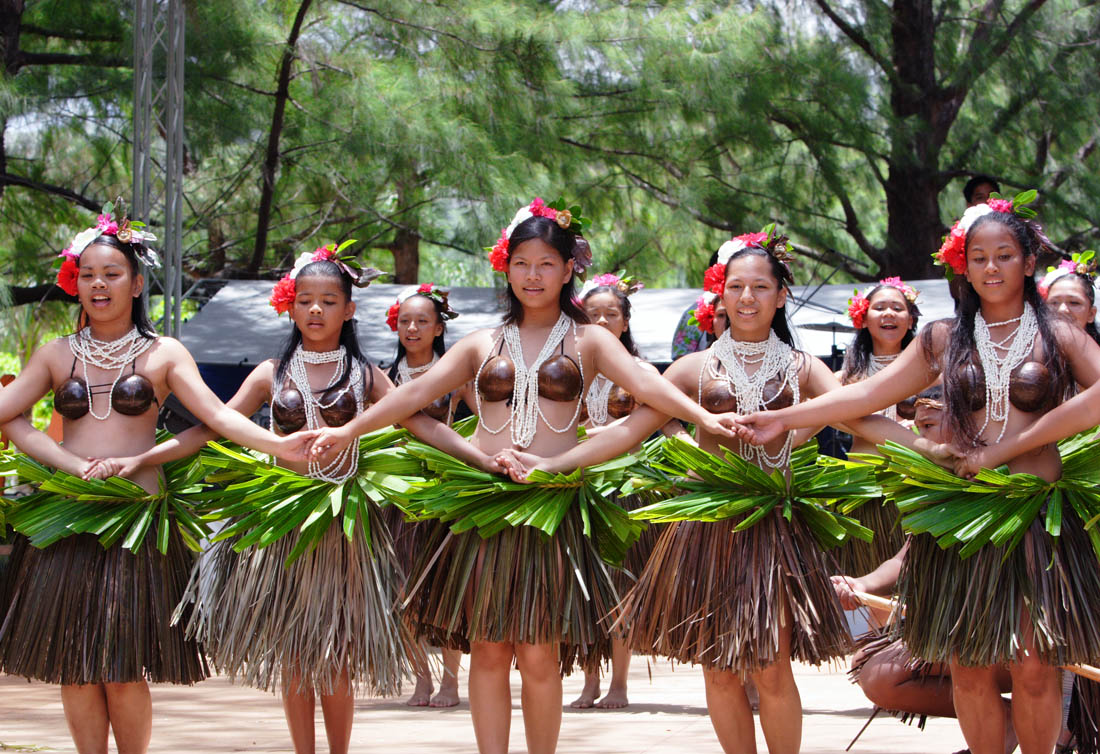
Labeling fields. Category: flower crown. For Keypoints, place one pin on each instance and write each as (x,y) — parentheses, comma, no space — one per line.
(627,284)
(283,292)
(568,218)
(777,246)
(702,316)
(952,254)
(861,302)
(428,290)
(1083,263)
(127,231)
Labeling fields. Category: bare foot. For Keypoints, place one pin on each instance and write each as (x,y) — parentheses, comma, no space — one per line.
(422,694)
(588,694)
(447,696)
(614,699)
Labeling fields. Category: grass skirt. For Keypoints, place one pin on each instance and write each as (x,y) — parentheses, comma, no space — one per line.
(971,609)
(713,596)
(856,557)
(518,585)
(1084,716)
(79,613)
(333,610)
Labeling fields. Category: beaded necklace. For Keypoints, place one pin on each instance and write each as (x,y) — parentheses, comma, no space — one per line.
(876,365)
(107,354)
(596,400)
(1017,346)
(406,373)
(775,358)
(348,458)
(526,411)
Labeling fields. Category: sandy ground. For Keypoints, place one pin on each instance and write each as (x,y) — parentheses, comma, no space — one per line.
(667,714)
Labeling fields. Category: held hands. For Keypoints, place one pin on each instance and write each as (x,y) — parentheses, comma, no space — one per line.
(296,447)
(759,428)
(968,465)
(326,443)
(102,468)
(518,464)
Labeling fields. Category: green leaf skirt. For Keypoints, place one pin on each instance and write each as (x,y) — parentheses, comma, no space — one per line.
(857,557)
(78,613)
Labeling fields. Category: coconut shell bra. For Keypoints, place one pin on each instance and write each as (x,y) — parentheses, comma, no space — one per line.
(336,406)
(559,378)
(620,403)
(1029,386)
(131,396)
(717,398)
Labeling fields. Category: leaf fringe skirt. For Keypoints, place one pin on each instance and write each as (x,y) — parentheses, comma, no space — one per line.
(77,613)
(715,597)
(517,586)
(974,609)
(331,612)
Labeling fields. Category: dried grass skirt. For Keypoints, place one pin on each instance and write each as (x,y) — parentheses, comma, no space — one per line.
(517,586)
(856,557)
(972,609)
(715,597)
(332,611)
(78,613)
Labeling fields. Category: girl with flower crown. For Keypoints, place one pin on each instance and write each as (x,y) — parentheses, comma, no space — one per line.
(885,317)
(527,589)
(316,617)
(973,598)
(419,316)
(96,619)
(739,603)
(1070,290)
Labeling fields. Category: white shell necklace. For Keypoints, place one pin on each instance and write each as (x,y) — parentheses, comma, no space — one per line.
(876,365)
(526,411)
(405,373)
(775,358)
(107,354)
(596,400)
(348,458)
(1017,346)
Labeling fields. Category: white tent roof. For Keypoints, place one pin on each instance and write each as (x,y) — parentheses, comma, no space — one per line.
(237,326)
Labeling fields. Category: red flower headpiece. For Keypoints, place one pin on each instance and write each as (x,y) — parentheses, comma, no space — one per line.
(703,314)
(859,303)
(952,253)
(428,290)
(283,292)
(126,231)
(568,218)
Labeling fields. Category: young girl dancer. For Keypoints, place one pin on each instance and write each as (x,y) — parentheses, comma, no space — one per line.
(327,624)
(96,620)
(1005,361)
(539,253)
(419,316)
(743,622)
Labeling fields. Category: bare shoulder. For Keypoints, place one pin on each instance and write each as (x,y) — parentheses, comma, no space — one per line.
(684,372)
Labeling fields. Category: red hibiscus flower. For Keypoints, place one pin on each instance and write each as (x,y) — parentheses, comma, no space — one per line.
(67,275)
(704,315)
(1000,205)
(391,315)
(282,294)
(857,310)
(953,250)
(714,279)
(753,239)
(424,288)
(498,256)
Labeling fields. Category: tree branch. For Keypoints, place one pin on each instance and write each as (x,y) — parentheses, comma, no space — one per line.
(37,293)
(66,58)
(418,27)
(9,179)
(858,38)
(980,56)
(77,36)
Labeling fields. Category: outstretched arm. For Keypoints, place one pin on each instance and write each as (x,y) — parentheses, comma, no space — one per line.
(615,362)
(907,376)
(185,381)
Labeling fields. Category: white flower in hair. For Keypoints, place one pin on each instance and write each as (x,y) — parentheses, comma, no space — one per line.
(303,259)
(407,293)
(729,248)
(973,213)
(521,215)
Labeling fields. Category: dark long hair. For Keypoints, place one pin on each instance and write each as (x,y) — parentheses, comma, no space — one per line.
(857,358)
(349,337)
(961,346)
(624,306)
(564,241)
(437,342)
(780,325)
(1086,283)
(138,315)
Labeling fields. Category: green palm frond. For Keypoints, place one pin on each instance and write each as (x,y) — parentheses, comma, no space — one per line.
(995,507)
(267,502)
(468,498)
(716,489)
(113,509)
